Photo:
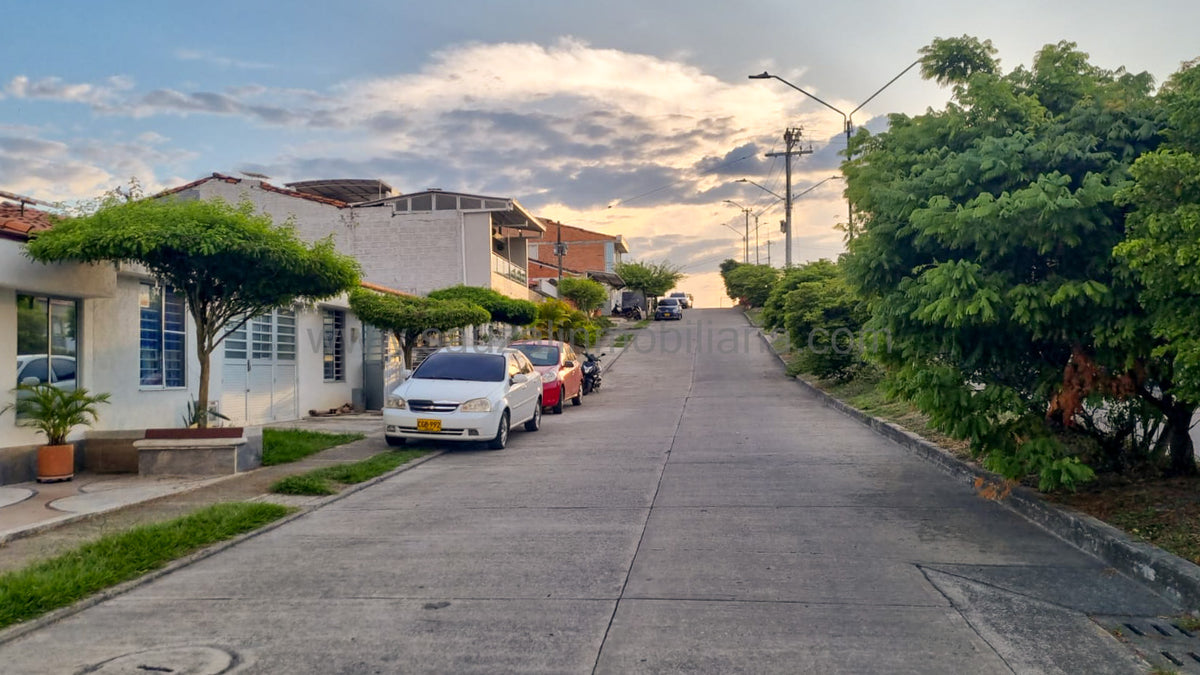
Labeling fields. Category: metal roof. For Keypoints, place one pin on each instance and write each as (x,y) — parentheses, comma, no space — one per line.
(506,211)
(344,189)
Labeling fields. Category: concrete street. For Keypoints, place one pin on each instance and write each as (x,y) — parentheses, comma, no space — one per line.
(700,513)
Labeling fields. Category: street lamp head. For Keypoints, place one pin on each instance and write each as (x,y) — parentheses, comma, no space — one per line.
(764,75)
(740,180)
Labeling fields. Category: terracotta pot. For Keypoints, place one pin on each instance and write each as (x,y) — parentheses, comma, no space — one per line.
(55,463)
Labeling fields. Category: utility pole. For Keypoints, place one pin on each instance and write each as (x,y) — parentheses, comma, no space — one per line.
(768,253)
(559,249)
(791,138)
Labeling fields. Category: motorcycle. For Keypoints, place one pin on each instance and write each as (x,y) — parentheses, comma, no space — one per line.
(633,313)
(591,372)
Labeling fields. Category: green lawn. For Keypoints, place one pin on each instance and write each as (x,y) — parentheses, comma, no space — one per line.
(327,480)
(281,446)
(115,558)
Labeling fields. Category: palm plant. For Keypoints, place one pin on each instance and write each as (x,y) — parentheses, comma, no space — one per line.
(54,411)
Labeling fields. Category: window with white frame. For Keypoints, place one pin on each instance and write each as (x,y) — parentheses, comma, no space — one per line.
(47,340)
(334,345)
(163,344)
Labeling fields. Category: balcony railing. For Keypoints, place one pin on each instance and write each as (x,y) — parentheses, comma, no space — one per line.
(506,268)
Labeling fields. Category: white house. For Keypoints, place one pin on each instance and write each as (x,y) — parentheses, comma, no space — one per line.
(114,329)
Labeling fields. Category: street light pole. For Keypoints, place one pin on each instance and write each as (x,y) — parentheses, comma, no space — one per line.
(847,121)
(787,223)
(746,238)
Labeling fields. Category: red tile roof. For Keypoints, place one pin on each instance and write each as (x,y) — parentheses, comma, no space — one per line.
(17,221)
(572,233)
(383,289)
(233,180)
(544,270)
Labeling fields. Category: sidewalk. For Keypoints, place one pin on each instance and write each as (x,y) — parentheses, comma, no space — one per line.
(29,508)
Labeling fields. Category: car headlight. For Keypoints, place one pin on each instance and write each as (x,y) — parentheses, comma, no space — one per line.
(477,405)
(395,402)
(549,376)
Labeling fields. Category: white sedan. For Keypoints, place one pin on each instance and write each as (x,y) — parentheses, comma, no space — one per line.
(465,394)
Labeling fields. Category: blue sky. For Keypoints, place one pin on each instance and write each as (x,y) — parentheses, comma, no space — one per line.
(625,117)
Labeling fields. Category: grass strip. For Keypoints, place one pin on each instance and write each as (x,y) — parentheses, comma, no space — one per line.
(115,558)
(622,340)
(328,480)
(281,446)
(642,324)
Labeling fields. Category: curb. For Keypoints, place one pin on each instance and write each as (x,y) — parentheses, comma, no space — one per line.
(1169,575)
(15,632)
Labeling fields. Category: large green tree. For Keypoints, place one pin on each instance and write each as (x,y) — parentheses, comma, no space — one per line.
(652,279)
(988,230)
(229,262)
(408,317)
(1162,249)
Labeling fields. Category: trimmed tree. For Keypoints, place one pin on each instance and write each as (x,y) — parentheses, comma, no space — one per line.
(587,294)
(502,308)
(409,317)
(230,263)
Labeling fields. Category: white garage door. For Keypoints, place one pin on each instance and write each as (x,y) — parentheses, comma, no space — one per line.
(258,379)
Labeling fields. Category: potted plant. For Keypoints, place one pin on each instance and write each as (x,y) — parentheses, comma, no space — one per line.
(55,412)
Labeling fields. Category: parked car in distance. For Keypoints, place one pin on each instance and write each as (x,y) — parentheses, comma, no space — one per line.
(668,308)
(560,369)
(465,394)
(685,299)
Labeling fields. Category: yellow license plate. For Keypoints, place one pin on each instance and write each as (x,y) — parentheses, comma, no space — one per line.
(429,425)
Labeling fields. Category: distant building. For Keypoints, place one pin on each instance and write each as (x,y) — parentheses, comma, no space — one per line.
(587,253)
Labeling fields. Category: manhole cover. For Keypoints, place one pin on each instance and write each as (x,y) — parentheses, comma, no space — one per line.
(169,661)
(1161,641)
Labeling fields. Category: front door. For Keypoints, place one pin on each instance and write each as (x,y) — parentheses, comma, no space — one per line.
(258,379)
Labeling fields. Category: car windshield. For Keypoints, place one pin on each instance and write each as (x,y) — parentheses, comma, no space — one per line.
(668,302)
(541,355)
(461,366)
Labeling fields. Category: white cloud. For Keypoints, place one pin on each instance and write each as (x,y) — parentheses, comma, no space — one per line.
(218,60)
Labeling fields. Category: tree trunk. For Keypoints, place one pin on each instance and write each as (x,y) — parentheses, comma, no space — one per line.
(1179,439)
(202,395)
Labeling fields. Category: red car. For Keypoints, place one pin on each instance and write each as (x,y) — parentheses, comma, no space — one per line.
(560,368)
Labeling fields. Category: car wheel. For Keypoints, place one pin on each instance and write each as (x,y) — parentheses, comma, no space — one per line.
(396,441)
(501,438)
(535,422)
(562,393)
(578,400)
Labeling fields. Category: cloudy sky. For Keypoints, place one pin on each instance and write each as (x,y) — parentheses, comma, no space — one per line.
(632,118)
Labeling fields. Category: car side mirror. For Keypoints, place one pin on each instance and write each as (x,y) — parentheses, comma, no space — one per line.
(518,378)
(405,374)
(568,364)
(30,382)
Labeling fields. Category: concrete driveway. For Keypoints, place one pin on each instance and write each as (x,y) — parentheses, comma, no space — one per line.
(700,513)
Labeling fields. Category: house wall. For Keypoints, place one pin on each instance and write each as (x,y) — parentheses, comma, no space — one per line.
(312,391)
(477,249)
(110,336)
(416,253)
